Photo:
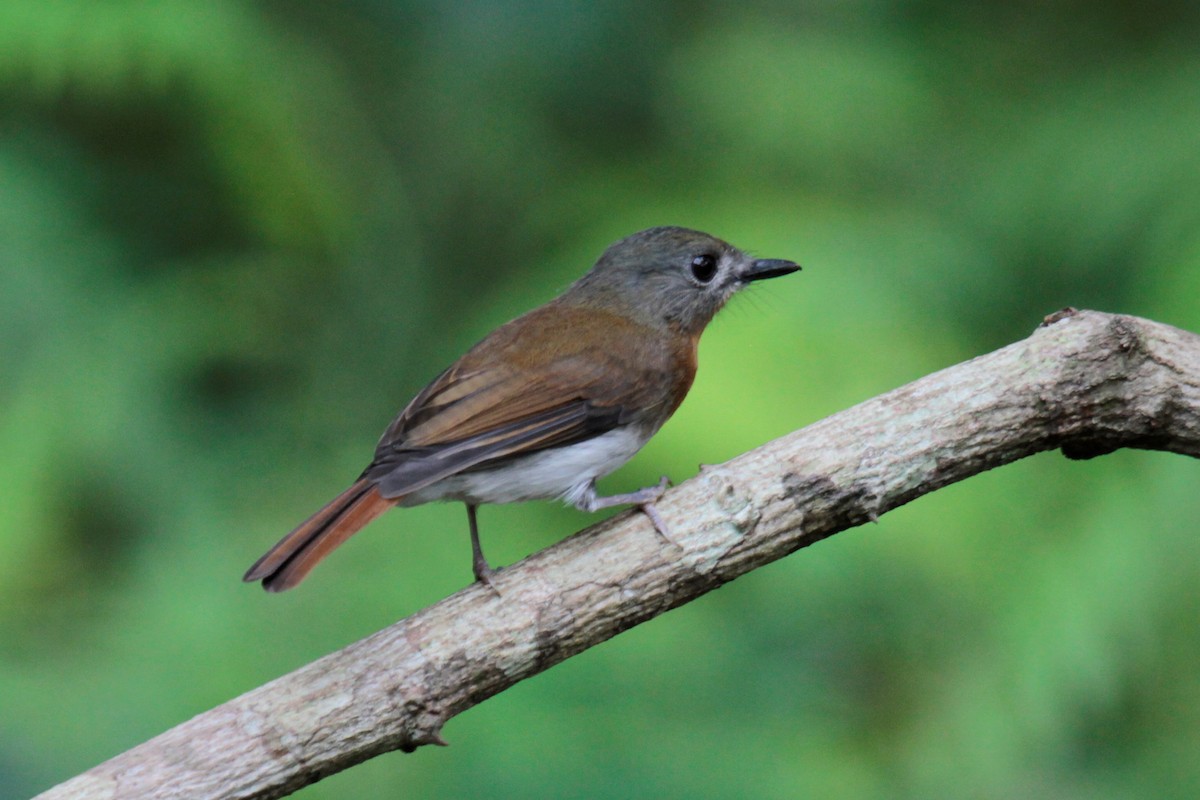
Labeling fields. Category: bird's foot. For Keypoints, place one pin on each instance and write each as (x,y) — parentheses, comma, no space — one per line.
(644,499)
(484,574)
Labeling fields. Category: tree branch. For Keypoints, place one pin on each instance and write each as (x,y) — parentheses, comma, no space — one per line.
(1085,382)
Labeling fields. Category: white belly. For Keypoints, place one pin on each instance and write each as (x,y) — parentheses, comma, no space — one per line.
(561,472)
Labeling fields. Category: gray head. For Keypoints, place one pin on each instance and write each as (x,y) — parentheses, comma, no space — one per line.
(671,277)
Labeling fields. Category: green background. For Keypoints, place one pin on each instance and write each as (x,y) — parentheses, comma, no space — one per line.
(235,238)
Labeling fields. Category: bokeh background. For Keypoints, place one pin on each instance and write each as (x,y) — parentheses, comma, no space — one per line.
(236,237)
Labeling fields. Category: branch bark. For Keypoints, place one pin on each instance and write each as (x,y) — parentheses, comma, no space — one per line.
(1085,382)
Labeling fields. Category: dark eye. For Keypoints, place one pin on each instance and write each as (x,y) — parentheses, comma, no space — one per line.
(704,268)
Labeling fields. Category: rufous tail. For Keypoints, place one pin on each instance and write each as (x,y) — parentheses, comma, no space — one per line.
(294,556)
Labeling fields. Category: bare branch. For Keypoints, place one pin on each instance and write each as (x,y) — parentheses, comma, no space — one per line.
(1085,382)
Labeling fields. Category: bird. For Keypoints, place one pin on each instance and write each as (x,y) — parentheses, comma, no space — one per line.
(548,403)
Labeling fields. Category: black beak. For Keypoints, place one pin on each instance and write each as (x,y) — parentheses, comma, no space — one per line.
(767,268)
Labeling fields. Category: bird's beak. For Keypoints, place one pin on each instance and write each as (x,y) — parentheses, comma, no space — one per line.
(767,268)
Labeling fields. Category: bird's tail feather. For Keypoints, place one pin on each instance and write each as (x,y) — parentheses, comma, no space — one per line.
(294,556)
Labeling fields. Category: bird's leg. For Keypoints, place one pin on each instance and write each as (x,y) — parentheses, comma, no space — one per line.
(642,498)
(479,565)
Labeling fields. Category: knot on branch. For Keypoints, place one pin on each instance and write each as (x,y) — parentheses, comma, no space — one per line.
(1126,389)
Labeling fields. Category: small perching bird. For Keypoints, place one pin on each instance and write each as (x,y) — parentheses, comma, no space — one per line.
(548,403)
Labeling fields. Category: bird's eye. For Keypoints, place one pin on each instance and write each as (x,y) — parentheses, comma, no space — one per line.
(704,268)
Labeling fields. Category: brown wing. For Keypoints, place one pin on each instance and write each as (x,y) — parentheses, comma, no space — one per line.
(525,388)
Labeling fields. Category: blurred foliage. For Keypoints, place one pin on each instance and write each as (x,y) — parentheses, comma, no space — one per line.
(235,238)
